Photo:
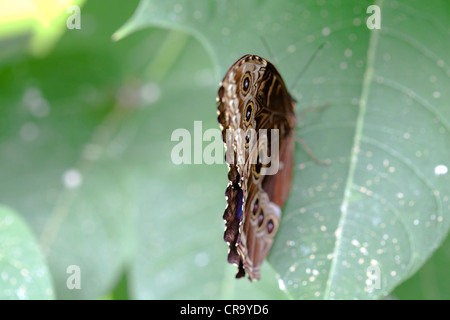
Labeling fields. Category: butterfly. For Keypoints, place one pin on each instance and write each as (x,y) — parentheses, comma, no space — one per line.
(254,106)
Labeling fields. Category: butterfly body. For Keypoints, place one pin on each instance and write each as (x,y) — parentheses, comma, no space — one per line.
(253,100)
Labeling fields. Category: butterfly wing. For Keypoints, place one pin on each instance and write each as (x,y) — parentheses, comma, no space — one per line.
(263,203)
(253,96)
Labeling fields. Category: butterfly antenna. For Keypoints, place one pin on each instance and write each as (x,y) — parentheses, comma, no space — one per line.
(308,64)
(266,45)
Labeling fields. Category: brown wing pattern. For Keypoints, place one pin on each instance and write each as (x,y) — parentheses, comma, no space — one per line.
(252,95)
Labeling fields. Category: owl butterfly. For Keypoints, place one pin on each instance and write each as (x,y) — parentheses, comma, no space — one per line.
(252,96)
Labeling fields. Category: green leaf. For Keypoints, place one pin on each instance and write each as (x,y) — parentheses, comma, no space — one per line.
(431,282)
(382,206)
(24,273)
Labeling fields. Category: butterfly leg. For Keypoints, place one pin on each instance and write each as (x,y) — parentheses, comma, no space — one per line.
(310,153)
(303,142)
(309,109)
